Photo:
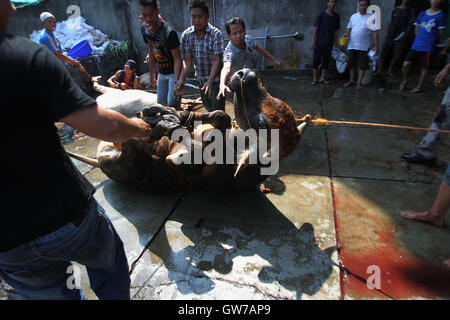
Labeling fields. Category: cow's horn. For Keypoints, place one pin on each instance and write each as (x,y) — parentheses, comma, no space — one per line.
(89,161)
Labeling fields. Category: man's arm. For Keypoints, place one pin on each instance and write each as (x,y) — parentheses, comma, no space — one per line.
(376,40)
(314,37)
(442,75)
(112,82)
(67,60)
(177,64)
(107,125)
(266,54)
(347,33)
(223,80)
(152,66)
(187,66)
(336,37)
(137,82)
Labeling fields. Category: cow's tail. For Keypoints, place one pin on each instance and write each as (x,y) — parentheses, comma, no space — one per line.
(89,161)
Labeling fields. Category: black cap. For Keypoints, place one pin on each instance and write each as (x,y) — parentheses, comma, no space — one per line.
(131,64)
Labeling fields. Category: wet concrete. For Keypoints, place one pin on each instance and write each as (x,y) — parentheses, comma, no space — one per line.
(337,215)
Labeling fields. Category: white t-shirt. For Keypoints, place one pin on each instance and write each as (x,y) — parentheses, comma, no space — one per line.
(361,36)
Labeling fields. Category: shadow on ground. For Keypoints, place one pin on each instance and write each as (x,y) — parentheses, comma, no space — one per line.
(209,231)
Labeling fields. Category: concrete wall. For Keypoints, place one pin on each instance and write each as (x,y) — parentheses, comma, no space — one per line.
(118,18)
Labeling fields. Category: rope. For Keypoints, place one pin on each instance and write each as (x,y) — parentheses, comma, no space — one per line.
(325,122)
(245,105)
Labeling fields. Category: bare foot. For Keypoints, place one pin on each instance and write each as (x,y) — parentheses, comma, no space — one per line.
(423,216)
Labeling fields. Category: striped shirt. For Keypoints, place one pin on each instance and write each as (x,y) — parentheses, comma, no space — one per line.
(202,50)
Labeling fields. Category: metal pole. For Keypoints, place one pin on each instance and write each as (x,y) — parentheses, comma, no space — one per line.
(265,44)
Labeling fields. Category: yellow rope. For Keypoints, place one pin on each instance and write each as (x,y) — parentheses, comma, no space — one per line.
(325,122)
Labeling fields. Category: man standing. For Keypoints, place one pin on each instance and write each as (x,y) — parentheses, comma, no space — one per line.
(239,52)
(360,43)
(426,154)
(325,36)
(52,217)
(164,50)
(49,40)
(430,26)
(399,25)
(202,45)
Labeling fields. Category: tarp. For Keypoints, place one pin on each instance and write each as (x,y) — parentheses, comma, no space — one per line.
(71,32)
(23,3)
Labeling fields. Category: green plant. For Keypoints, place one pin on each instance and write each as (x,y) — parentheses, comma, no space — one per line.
(118,54)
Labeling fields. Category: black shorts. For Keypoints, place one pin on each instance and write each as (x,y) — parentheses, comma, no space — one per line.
(321,57)
(358,58)
(424,58)
(396,48)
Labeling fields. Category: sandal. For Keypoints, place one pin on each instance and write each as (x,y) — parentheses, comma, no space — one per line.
(324,82)
(314,83)
(415,90)
(403,86)
(349,84)
(361,87)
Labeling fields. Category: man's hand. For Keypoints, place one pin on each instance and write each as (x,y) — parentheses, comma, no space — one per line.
(179,88)
(277,64)
(144,127)
(153,81)
(223,91)
(207,89)
(441,77)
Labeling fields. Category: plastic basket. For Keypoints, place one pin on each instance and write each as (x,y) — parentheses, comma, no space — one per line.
(81,49)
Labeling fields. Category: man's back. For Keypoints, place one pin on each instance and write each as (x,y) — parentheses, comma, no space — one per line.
(44,191)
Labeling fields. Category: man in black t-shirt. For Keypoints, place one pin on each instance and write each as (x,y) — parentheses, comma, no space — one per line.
(164,50)
(400,21)
(325,36)
(52,218)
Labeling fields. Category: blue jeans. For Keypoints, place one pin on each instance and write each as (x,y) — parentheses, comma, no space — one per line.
(40,269)
(166,96)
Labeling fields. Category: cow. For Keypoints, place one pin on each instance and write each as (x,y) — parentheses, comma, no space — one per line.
(163,163)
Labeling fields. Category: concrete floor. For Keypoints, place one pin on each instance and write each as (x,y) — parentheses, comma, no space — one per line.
(338,216)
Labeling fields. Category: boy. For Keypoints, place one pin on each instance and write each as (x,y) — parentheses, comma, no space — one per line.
(164,49)
(399,20)
(125,79)
(360,43)
(430,26)
(202,45)
(325,35)
(239,52)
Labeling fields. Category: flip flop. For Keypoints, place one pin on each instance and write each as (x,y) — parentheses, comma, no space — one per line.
(349,84)
(415,90)
(402,86)
(314,83)
(324,82)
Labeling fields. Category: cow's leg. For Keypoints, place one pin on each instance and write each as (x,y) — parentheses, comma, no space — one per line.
(218,119)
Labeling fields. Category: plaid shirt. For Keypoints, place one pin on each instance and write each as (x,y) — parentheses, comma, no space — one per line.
(202,50)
